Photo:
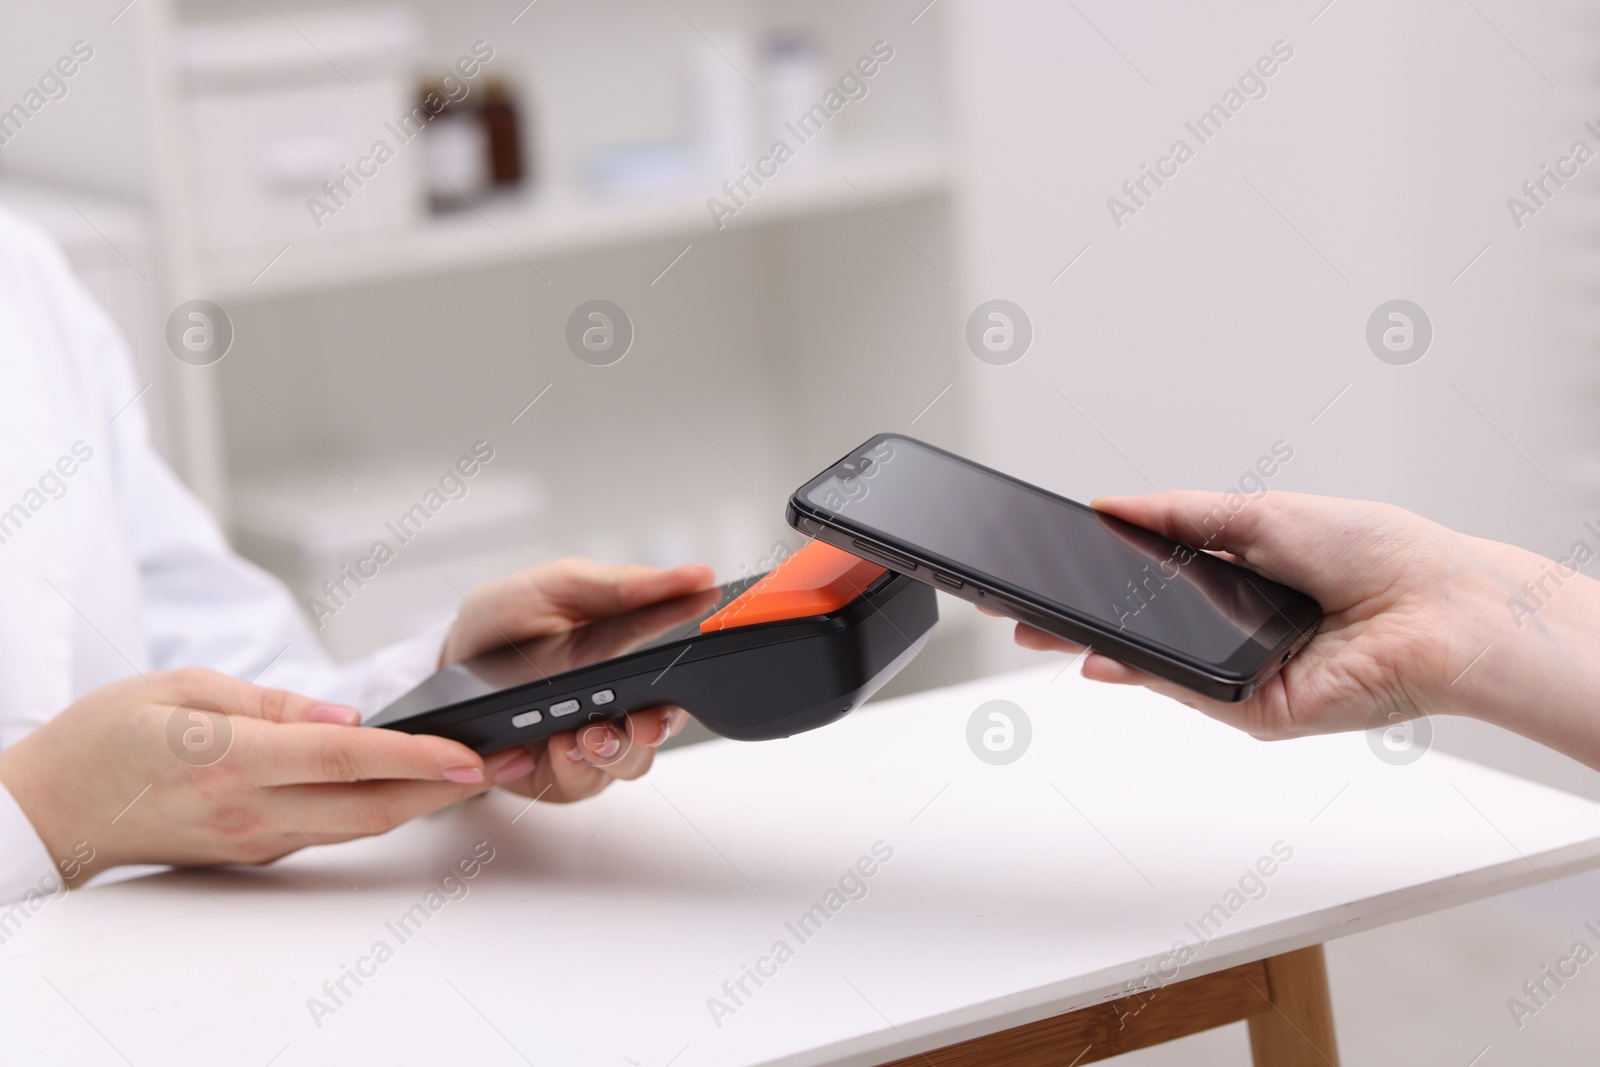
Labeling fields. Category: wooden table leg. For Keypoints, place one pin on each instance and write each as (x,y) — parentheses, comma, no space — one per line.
(1297,1030)
(1285,999)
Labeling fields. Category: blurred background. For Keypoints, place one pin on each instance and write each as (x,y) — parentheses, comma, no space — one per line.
(390,308)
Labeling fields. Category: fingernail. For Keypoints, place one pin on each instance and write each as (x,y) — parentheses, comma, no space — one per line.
(666,732)
(337,714)
(605,745)
(520,765)
(575,753)
(464,775)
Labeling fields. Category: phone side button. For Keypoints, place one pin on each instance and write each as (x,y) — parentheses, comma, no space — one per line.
(894,558)
(527,718)
(565,707)
(949,579)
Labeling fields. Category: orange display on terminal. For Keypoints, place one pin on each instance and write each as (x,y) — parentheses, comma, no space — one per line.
(816,580)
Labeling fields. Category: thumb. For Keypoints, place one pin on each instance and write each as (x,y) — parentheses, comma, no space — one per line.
(1268,531)
(236,697)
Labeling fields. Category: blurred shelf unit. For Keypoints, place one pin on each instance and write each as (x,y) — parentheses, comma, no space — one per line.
(562,222)
(324,147)
(583,139)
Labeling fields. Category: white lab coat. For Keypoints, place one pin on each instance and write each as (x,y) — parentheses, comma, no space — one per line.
(115,568)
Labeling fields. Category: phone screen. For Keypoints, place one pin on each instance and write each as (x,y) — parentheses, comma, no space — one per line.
(1072,558)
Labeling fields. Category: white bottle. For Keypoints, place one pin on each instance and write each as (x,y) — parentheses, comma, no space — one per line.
(722,102)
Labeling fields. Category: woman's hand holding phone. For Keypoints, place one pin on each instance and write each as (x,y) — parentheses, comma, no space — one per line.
(1419,620)
(1047,560)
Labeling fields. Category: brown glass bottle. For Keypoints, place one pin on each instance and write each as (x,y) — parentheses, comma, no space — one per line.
(501,122)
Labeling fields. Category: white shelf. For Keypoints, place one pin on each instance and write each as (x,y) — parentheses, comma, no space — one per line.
(86,225)
(556,223)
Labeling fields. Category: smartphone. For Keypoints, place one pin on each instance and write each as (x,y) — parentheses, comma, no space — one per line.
(1156,604)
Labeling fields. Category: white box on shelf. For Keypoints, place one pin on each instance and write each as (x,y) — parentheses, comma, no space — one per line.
(278,110)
